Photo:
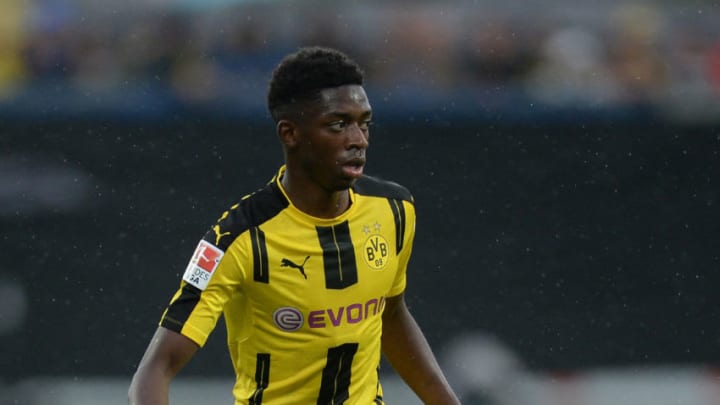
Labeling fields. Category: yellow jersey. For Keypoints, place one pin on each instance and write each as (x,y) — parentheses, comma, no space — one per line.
(302,297)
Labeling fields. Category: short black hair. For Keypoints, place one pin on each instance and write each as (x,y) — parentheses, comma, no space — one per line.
(302,75)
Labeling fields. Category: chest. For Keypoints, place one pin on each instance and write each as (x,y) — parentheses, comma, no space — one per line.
(322,267)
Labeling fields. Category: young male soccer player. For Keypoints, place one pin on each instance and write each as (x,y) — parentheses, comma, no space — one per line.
(309,271)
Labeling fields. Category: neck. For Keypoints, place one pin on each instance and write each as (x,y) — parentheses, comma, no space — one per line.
(314,200)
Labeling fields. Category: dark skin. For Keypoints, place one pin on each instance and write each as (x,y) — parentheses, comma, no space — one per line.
(331,135)
(166,355)
(404,345)
(324,154)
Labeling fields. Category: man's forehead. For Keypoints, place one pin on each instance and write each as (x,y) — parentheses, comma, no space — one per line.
(343,94)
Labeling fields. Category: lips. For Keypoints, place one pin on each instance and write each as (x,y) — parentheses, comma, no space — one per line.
(354,167)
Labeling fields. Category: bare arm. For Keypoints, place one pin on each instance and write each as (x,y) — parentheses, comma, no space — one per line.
(407,350)
(166,355)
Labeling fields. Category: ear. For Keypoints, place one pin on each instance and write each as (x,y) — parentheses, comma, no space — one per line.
(289,133)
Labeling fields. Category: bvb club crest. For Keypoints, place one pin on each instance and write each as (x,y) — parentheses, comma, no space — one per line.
(376,249)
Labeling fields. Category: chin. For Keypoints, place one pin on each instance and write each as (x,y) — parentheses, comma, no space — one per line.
(344,184)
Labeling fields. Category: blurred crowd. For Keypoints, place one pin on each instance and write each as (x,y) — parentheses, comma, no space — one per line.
(594,54)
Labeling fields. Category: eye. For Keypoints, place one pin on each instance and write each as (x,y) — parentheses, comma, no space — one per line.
(365,125)
(337,126)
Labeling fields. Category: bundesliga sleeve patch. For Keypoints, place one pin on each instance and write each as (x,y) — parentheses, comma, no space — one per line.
(202,265)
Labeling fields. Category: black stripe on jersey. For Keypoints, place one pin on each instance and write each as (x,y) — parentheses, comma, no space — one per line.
(260,257)
(398,210)
(372,186)
(254,210)
(378,398)
(262,377)
(338,256)
(180,309)
(336,376)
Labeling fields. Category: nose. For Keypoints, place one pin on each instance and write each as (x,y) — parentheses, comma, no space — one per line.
(357,137)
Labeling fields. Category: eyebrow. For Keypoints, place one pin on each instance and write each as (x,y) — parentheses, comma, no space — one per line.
(345,115)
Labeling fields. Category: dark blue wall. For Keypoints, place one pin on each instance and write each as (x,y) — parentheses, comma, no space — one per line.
(578,245)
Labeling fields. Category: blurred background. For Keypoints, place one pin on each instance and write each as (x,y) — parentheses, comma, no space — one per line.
(564,156)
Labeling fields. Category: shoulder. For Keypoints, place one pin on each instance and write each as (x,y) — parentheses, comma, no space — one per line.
(377,187)
(253,210)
